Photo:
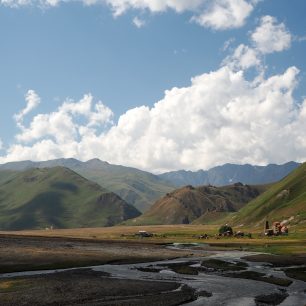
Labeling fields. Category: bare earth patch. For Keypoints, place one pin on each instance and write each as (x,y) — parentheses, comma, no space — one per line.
(86,287)
(42,253)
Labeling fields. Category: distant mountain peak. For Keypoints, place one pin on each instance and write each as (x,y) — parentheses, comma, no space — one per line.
(97,161)
(231,173)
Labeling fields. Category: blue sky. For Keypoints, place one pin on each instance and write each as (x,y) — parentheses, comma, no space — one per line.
(70,49)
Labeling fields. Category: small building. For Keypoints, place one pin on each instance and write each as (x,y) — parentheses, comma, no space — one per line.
(277,228)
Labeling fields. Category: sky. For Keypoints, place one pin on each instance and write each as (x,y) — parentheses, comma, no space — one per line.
(157,85)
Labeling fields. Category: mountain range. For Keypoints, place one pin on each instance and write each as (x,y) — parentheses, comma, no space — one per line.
(136,187)
(68,193)
(142,189)
(229,174)
(59,197)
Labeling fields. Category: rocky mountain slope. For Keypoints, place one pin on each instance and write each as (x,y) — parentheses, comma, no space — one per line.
(187,204)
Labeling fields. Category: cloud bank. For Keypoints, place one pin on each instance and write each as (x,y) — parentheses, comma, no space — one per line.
(221,117)
(215,14)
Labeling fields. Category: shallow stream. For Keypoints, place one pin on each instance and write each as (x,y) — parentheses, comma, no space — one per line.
(223,290)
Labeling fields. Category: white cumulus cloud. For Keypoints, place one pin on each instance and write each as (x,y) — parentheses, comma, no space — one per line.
(32,100)
(225,14)
(271,36)
(267,38)
(63,124)
(221,117)
(243,57)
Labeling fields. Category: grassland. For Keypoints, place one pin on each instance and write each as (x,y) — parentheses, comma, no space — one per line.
(284,200)
(66,248)
(294,243)
(40,198)
(136,187)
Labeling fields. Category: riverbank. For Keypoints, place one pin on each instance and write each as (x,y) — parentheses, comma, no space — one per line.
(146,272)
(294,243)
(58,249)
(24,253)
(87,287)
(207,278)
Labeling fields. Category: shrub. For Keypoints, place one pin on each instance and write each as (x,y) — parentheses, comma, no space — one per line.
(225,229)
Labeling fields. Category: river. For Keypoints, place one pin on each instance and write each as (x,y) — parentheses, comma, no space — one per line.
(223,290)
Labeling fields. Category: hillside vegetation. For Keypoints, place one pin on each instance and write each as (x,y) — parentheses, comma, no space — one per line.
(6,175)
(285,200)
(191,205)
(59,197)
(136,187)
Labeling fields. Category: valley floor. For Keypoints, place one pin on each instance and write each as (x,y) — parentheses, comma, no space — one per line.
(27,253)
(87,287)
(148,271)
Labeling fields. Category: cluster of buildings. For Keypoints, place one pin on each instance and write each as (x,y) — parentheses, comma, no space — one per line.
(278,228)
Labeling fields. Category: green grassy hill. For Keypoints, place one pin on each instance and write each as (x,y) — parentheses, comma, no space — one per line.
(39,198)
(191,205)
(6,175)
(136,187)
(284,200)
